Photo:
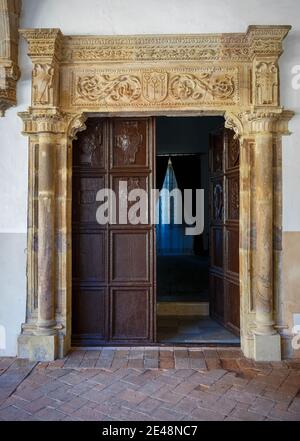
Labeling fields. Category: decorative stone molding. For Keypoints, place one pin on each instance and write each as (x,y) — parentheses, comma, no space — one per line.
(9,71)
(235,75)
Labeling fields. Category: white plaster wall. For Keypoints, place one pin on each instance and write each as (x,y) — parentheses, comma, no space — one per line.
(128,17)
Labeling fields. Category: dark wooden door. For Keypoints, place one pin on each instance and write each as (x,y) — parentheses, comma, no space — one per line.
(113,265)
(224,229)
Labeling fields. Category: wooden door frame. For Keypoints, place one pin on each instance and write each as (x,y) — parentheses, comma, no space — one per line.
(233,75)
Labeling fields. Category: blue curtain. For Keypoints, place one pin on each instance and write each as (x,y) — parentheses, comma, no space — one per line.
(171,238)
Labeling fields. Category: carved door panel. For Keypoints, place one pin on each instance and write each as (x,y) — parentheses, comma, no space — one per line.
(224,229)
(113,265)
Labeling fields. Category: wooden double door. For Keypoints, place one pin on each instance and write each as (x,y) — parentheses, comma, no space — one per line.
(113,265)
(113,268)
(224,229)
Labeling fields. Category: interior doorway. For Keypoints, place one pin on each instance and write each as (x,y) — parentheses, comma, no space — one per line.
(145,283)
(198,276)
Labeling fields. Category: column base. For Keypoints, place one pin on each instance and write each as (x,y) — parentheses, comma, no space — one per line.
(267,347)
(38,347)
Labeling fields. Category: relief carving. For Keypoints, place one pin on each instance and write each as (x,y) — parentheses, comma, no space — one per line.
(233,151)
(142,87)
(155,86)
(133,184)
(90,147)
(234,199)
(186,87)
(266,84)
(123,88)
(218,202)
(129,140)
(43,77)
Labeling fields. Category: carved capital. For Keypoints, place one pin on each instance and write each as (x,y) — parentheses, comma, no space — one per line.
(37,122)
(9,39)
(259,122)
(267,121)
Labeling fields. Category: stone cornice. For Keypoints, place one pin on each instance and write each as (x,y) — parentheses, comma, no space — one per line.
(43,44)
(258,40)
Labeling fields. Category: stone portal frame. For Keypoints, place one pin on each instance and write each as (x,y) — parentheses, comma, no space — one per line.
(73,77)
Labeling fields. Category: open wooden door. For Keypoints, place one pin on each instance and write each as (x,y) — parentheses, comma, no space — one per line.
(113,265)
(224,229)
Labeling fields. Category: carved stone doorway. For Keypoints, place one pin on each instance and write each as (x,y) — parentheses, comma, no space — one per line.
(235,75)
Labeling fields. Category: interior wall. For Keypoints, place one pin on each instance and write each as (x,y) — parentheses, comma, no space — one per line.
(136,17)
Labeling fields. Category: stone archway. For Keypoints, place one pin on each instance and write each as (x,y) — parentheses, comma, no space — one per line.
(235,75)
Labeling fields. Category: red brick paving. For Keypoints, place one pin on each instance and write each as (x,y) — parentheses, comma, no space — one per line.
(150,384)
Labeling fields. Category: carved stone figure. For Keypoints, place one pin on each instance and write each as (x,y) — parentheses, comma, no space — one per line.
(43,75)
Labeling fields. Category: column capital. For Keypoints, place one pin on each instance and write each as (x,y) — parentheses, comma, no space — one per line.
(259,121)
(267,121)
(51,121)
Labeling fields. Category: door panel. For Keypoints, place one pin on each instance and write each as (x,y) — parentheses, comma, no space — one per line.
(130,256)
(113,265)
(224,229)
(130,323)
(89,316)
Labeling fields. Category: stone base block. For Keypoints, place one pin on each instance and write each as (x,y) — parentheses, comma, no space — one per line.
(267,347)
(38,347)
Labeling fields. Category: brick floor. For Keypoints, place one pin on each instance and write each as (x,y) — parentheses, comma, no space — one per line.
(150,384)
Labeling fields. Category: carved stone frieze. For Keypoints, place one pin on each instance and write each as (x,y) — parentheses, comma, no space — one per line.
(165,87)
(265,40)
(9,40)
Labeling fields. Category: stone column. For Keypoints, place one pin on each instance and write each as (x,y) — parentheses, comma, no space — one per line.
(46,247)
(46,127)
(264,234)
(267,127)
(47,130)
(266,339)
